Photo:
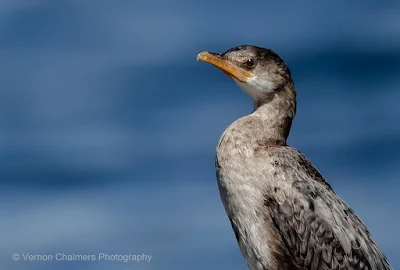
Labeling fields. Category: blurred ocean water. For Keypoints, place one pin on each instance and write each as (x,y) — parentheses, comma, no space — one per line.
(109,125)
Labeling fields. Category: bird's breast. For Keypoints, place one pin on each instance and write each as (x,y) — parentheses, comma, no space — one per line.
(242,191)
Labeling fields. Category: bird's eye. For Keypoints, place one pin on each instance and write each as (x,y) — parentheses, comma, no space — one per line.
(250,63)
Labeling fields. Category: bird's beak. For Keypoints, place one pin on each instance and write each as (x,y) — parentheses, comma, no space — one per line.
(227,66)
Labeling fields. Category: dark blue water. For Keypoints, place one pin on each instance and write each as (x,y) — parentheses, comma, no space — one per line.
(108,125)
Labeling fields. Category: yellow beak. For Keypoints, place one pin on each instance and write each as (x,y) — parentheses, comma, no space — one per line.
(227,66)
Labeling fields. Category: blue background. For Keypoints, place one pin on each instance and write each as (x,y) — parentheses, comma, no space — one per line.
(109,125)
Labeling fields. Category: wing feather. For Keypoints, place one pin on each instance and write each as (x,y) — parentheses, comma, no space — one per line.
(318,228)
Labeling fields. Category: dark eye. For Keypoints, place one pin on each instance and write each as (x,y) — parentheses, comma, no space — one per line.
(250,63)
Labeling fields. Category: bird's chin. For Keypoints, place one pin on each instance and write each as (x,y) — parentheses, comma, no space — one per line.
(256,88)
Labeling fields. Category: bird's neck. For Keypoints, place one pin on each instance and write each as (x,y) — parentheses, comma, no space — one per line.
(277,112)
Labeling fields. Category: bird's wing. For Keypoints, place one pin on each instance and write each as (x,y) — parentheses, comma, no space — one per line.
(319,229)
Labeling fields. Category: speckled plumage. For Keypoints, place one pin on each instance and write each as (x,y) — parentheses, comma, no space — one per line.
(284,214)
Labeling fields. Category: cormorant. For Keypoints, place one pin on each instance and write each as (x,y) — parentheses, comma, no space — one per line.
(284,214)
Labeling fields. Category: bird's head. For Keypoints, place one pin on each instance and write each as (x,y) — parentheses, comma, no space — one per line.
(259,72)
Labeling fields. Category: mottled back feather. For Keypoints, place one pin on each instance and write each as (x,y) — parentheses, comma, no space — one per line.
(320,231)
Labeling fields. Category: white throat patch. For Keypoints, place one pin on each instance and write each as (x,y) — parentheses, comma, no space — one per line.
(256,87)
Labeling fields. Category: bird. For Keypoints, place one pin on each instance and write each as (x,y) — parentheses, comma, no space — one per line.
(283,212)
